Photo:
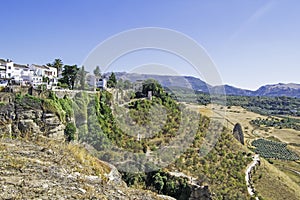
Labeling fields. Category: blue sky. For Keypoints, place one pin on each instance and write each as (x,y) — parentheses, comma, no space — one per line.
(252,42)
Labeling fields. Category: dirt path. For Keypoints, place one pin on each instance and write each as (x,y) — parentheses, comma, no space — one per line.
(191,181)
(250,187)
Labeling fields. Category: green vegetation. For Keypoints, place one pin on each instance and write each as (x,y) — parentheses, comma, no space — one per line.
(272,183)
(267,105)
(262,105)
(124,85)
(145,125)
(57,63)
(160,182)
(69,75)
(222,168)
(273,149)
(70,131)
(81,78)
(216,160)
(97,72)
(112,80)
(277,123)
(61,107)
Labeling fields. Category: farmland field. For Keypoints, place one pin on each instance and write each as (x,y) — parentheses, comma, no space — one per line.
(273,149)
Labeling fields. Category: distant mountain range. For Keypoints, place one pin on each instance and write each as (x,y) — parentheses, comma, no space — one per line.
(280,89)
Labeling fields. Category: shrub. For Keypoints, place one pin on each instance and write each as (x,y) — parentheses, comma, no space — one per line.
(70,131)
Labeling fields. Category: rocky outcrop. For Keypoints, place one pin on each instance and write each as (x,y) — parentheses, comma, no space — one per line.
(26,118)
(45,169)
(238,133)
(201,192)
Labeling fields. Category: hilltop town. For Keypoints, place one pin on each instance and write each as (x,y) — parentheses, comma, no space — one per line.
(50,75)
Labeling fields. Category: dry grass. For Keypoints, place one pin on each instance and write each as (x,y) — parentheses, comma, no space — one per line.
(289,168)
(287,135)
(232,115)
(272,183)
(237,114)
(89,162)
(75,152)
(277,181)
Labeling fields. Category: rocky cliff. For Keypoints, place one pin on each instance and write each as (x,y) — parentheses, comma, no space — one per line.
(35,163)
(46,169)
(26,117)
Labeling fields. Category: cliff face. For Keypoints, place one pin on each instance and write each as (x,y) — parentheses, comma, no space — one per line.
(35,164)
(25,117)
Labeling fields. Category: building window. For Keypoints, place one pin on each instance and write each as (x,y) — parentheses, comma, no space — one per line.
(9,67)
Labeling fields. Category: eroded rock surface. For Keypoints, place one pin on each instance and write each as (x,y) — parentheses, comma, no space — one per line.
(47,169)
(26,118)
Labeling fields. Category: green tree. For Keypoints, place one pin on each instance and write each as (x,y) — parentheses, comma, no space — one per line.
(152,85)
(81,76)
(69,75)
(57,63)
(70,131)
(159,182)
(127,84)
(112,80)
(97,72)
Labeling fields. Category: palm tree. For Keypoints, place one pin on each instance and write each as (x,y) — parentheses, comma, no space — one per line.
(58,64)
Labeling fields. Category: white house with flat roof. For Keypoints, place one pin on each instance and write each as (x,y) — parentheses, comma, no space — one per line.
(43,70)
(14,71)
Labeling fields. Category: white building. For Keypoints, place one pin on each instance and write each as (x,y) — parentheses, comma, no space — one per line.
(25,74)
(39,70)
(14,71)
(97,82)
(43,71)
(36,80)
(102,83)
(51,72)
(2,68)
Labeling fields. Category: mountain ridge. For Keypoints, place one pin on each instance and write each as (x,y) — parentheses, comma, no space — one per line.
(196,84)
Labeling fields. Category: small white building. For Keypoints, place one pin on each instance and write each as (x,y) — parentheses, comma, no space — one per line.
(102,83)
(97,82)
(51,72)
(2,68)
(10,70)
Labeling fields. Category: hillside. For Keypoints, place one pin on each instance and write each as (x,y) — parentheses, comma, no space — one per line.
(167,81)
(47,169)
(199,153)
(156,144)
(281,89)
(89,118)
(281,173)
